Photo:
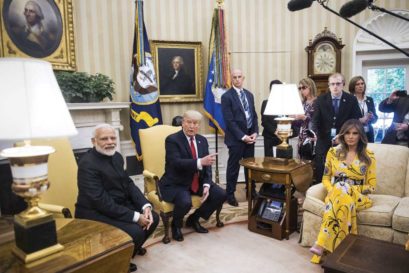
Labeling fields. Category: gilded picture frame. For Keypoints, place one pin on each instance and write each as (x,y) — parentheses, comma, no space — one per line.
(40,29)
(178,66)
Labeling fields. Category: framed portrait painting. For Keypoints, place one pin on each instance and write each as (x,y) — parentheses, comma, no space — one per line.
(179,70)
(39,29)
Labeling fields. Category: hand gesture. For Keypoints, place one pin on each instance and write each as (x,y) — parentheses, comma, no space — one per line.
(208,160)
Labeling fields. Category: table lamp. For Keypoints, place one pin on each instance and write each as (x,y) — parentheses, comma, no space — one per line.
(31,107)
(284,100)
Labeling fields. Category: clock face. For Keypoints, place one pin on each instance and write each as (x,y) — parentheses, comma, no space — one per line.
(324,59)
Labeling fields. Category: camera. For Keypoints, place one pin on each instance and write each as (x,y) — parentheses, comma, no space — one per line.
(401,93)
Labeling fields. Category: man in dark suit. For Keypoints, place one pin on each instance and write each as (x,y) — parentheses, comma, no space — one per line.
(188,171)
(107,194)
(331,110)
(398,132)
(241,131)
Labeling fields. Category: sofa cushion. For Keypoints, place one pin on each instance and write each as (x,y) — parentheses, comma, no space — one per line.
(391,165)
(314,205)
(400,219)
(380,214)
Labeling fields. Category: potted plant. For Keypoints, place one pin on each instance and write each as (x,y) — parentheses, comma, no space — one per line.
(83,87)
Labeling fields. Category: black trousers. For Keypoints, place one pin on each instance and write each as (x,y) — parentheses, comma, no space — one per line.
(236,153)
(183,203)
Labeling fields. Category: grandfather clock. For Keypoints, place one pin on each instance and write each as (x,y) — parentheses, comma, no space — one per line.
(324,58)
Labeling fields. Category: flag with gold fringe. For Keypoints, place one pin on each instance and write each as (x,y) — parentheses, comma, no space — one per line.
(218,76)
(145,107)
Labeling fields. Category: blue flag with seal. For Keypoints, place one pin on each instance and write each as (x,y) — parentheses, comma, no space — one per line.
(212,100)
(218,76)
(144,95)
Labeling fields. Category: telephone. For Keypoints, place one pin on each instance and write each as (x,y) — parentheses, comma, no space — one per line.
(271,210)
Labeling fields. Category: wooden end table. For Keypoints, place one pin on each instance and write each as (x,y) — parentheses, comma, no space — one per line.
(89,246)
(276,171)
(360,254)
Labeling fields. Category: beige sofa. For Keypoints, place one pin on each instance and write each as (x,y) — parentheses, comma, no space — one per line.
(388,218)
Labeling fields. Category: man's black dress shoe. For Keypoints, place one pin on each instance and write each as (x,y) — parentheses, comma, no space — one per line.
(177,234)
(195,225)
(141,251)
(132,267)
(232,202)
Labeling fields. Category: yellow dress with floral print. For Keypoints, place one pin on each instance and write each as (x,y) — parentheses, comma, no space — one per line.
(344,199)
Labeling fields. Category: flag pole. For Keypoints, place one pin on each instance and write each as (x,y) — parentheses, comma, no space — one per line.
(217,156)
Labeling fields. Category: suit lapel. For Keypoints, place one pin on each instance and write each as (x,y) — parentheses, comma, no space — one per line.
(342,105)
(185,142)
(237,99)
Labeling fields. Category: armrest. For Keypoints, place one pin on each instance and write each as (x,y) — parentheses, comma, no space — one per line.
(56,209)
(317,191)
(151,183)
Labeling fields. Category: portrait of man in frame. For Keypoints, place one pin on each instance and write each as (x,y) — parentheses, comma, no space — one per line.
(178,67)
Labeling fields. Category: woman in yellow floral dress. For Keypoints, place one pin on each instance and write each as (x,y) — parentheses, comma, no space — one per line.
(349,176)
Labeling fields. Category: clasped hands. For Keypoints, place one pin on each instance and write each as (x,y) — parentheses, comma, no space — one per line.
(146,218)
(250,139)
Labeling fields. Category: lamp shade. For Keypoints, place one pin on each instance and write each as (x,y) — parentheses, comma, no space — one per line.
(284,99)
(31,103)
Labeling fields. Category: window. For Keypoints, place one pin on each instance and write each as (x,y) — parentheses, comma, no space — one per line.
(381,81)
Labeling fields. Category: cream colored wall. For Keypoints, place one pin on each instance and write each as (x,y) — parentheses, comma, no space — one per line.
(266,40)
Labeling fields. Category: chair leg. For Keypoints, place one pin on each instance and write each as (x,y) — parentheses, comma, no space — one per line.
(219,223)
(165,220)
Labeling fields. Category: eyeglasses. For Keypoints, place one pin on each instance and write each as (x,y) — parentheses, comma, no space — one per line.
(302,87)
(335,83)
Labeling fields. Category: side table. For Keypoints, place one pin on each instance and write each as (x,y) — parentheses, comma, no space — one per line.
(272,170)
(89,246)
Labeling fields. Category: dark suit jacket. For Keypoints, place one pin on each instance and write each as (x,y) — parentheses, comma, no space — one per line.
(270,125)
(104,188)
(235,117)
(180,165)
(400,107)
(323,118)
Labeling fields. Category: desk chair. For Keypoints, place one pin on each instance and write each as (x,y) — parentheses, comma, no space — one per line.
(62,173)
(153,148)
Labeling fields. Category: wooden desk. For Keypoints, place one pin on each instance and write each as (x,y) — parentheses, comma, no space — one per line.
(361,254)
(268,170)
(89,246)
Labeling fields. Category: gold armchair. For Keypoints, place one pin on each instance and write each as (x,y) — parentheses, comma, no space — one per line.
(62,173)
(153,147)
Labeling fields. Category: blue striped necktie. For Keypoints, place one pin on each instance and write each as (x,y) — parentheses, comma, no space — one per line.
(335,104)
(246,109)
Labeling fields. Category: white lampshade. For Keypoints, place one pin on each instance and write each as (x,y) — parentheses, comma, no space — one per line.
(284,99)
(31,103)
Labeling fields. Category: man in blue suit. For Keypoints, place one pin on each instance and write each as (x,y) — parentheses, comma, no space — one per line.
(188,171)
(241,131)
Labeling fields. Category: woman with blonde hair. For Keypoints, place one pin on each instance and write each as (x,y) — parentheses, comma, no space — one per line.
(349,176)
(308,93)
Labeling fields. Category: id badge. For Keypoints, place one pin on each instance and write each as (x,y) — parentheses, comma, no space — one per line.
(333,132)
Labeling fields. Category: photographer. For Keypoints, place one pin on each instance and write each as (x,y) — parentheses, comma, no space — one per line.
(398,103)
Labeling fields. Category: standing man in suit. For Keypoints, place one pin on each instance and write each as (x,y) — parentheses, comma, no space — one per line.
(398,132)
(241,131)
(332,109)
(107,194)
(188,171)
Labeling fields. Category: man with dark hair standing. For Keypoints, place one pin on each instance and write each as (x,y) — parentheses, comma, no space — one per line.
(241,131)
(107,194)
(331,110)
(188,171)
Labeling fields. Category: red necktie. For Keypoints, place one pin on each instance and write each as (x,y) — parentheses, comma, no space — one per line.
(195,181)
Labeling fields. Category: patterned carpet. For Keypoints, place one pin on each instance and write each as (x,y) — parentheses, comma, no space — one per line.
(228,215)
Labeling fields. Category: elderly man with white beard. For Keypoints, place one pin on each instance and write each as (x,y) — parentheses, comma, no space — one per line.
(107,194)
